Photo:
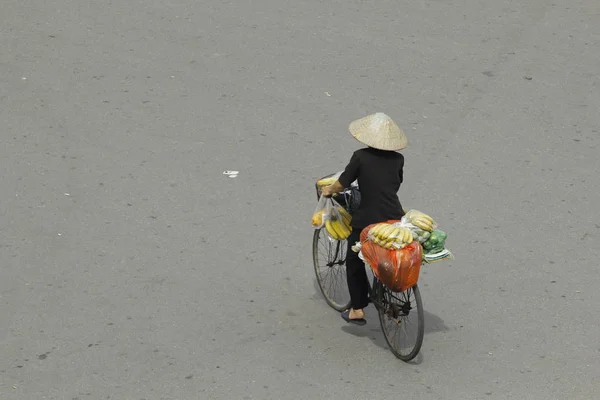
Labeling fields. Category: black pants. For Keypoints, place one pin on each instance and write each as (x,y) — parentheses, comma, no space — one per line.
(358,283)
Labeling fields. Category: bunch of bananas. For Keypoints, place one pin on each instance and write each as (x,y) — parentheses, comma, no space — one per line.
(421,220)
(326,181)
(338,224)
(388,236)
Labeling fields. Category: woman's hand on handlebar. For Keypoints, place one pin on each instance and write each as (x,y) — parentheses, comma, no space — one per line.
(330,190)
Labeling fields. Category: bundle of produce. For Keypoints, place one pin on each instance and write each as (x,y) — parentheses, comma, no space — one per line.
(397,269)
(434,249)
(338,223)
(390,236)
(330,180)
(426,231)
(331,215)
(420,224)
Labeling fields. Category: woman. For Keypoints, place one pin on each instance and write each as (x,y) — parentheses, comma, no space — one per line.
(379,171)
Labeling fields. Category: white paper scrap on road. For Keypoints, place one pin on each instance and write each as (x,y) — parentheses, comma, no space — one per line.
(231,174)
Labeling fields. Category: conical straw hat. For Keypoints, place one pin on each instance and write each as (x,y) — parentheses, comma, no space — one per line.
(379,131)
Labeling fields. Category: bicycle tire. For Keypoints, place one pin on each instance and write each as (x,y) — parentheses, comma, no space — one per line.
(391,311)
(335,268)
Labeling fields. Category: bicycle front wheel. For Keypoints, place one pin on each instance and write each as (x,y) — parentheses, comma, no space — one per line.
(329,259)
(402,320)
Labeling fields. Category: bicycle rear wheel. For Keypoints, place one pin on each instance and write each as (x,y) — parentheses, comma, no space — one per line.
(329,259)
(402,320)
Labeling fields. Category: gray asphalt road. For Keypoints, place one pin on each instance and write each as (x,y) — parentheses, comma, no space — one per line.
(132,268)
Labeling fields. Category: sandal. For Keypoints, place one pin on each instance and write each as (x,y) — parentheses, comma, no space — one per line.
(357,321)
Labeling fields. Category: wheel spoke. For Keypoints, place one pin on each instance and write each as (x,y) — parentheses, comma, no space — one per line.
(401,321)
(332,282)
(330,267)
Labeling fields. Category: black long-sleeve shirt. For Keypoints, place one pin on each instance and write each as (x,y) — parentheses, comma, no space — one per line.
(379,174)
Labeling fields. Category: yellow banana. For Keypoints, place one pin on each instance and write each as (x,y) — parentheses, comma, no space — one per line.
(343,232)
(345,229)
(428,228)
(326,181)
(348,229)
(392,236)
(372,231)
(345,225)
(403,235)
(379,242)
(347,221)
(336,226)
(426,218)
(376,230)
(331,230)
(422,224)
(389,229)
(409,236)
(345,215)
(419,218)
(382,231)
(341,229)
(420,214)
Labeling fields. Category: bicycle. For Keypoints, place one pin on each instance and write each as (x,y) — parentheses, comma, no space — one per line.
(394,308)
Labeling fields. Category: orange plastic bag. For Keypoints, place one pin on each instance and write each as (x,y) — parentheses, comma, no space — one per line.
(397,269)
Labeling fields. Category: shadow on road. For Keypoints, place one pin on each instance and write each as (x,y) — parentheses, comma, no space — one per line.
(433,323)
(319,295)
(372,330)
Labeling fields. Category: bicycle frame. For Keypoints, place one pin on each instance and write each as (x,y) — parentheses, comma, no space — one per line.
(391,306)
(374,295)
